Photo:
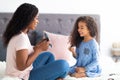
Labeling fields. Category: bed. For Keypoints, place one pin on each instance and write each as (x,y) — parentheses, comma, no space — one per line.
(59,25)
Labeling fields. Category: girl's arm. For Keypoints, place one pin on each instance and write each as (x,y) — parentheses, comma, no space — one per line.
(91,68)
(95,58)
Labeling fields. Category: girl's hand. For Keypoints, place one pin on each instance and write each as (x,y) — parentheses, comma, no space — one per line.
(80,69)
(72,49)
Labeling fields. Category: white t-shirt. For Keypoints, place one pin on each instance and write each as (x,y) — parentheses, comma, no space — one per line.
(18,42)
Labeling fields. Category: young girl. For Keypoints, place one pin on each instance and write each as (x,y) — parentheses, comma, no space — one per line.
(87,49)
(23,60)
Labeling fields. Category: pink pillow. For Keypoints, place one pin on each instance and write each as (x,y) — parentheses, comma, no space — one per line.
(60,47)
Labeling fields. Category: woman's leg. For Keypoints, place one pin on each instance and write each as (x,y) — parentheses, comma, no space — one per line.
(43,59)
(50,71)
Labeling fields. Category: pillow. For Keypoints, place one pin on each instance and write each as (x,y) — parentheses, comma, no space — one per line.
(60,47)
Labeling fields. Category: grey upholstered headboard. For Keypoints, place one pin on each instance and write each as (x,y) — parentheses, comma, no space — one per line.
(57,23)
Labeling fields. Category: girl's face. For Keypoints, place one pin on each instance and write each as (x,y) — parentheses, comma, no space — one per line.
(34,23)
(82,29)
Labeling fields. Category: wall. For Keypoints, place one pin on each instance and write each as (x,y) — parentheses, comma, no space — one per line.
(108,11)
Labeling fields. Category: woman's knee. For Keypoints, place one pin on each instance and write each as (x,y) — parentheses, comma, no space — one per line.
(43,58)
(63,64)
(46,53)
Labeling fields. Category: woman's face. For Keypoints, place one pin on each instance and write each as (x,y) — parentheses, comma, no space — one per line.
(34,23)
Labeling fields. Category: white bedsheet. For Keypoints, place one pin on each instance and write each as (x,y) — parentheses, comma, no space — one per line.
(114,71)
(115,77)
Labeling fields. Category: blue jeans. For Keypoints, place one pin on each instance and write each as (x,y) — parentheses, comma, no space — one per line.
(45,67)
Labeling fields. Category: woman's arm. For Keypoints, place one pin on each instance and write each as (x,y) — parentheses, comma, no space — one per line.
(23,60)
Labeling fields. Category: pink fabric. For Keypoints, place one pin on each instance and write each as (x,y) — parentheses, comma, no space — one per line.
(60,47)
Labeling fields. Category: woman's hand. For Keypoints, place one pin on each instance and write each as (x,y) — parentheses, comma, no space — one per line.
(41,46)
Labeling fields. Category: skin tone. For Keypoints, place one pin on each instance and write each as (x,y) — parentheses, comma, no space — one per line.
(83,32)
(72,49)
(23,60)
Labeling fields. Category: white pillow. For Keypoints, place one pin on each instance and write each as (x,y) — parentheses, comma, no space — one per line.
(60,47)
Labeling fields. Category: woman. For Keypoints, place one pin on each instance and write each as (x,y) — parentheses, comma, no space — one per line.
(23,60)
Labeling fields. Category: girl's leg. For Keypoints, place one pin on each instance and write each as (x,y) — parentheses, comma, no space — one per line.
(50,71)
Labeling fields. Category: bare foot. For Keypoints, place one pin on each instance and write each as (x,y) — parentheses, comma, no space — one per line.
(78,75)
